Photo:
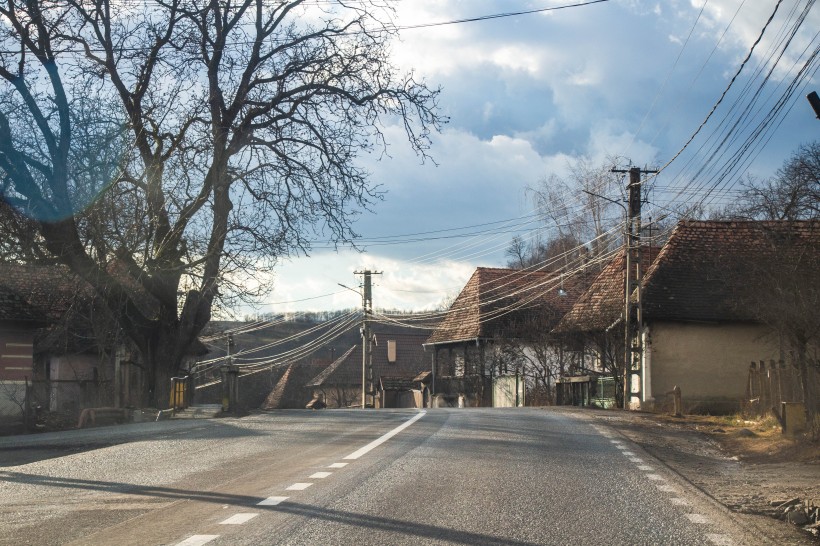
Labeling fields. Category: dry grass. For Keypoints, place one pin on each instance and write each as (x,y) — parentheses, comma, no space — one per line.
(765,444)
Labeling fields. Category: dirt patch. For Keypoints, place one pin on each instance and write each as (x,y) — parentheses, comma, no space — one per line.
(745,465)
(757,441)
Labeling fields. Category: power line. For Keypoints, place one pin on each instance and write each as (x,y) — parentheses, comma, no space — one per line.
(498,15)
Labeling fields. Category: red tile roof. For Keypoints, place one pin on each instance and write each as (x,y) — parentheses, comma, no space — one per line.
(496,302)
(603,303)
(411,360)
(35,291)
(696,274)
(700,269)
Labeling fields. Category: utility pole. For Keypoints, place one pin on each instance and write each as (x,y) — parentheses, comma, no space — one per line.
(633,310)
(367,337)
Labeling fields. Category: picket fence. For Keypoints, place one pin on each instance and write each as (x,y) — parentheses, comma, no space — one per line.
(773,382)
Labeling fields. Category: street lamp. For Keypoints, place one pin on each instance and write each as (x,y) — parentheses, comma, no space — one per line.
(814,100)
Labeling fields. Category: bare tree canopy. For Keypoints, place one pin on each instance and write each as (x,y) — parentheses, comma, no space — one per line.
(579,214)
(793,193)
(169,152)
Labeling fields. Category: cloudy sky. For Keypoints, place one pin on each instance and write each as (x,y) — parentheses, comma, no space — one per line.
(529,94)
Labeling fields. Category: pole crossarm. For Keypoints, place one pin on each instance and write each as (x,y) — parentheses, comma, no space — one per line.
(367,337)
(633,307)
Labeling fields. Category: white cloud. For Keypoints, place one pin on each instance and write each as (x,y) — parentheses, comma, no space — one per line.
(609,138)
(527,96)
(402,284)
(745,20)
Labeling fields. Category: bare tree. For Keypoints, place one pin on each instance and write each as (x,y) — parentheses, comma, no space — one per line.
(579,211)
(169,153)
(518,253)
(793,193)
(778,285)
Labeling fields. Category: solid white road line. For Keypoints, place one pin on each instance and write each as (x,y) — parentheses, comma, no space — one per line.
(338,465)
(320,475)
(299,486)
(272,501)
(197,540)
(239,519)
(379,441)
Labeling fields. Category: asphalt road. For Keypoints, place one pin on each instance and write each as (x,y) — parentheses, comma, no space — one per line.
(484,476)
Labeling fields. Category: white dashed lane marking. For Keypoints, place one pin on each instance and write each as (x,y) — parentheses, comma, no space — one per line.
(197,540)
(697,518)
(244,517)
(272,501)
(239,519)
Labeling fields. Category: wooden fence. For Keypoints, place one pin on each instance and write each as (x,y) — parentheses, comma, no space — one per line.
(773,382)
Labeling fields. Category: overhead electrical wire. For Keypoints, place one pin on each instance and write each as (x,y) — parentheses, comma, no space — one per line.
(388,28)
(296,353)
(762,129)
(720,177)
(499,15)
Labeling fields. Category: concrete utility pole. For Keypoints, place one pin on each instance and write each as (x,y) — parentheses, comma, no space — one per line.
(367,338)
(633,311)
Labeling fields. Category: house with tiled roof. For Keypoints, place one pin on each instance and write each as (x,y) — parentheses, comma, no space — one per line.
(699,331)
(19,322)
(398,364)
(591,333)
(55,334)
(31,298)
(496,307)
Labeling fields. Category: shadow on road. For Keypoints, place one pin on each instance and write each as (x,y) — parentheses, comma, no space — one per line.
(421,530)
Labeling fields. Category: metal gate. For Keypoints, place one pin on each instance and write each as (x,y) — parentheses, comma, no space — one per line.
(508,391)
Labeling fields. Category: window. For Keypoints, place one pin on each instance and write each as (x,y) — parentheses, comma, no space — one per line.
(391,350)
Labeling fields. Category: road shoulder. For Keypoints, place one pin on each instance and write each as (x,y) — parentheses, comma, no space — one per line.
(747,489)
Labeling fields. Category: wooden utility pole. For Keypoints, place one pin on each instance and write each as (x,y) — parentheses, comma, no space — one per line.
(633,311)
(367,337)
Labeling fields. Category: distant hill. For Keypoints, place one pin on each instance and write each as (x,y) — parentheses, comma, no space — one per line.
(265,350)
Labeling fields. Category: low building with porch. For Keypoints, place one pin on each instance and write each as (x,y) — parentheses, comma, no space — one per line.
(700,331)
(501,318)
(398,364)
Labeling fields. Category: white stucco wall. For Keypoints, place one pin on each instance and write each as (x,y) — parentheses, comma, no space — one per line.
(709,362)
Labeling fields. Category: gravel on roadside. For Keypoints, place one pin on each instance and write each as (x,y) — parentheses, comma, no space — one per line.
(748,489)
